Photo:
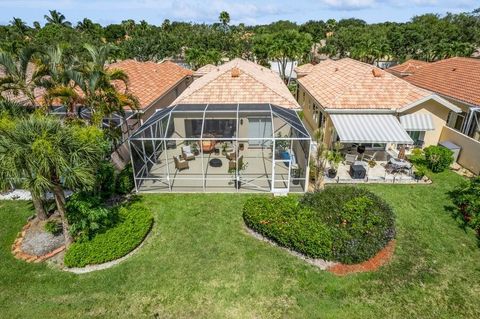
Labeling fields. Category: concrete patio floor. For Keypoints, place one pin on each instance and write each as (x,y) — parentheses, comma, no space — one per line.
(376,174)
(257,177)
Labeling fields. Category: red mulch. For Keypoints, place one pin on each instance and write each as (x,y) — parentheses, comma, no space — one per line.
(380,259)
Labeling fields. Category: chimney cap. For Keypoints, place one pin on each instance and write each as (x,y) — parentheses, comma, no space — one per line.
(235,72)
(377,73)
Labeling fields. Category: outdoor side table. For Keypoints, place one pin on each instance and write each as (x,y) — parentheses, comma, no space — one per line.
(358,170)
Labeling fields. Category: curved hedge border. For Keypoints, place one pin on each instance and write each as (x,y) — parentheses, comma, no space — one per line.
(345,224)
(135,222)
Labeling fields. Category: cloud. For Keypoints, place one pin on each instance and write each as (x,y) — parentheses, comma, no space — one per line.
(349,4)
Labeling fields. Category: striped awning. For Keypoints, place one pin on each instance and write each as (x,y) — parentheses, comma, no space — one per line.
(369,128)
(417,122)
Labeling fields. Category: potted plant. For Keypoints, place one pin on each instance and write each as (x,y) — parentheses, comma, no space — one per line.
(420,172)
(237,181)
(224,148)
(372,163)
(195,149)
(296,173)
(334,158)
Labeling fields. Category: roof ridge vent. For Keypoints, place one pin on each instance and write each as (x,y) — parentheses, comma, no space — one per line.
(235,72)
(377,73)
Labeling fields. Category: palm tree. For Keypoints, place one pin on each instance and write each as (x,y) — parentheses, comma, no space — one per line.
(16,166)
(97,83)
(57,18)
(19,25)
(21,77)
(58,83)
(51,156)
(224,18)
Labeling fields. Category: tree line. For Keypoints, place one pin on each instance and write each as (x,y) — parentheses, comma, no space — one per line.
(426,37)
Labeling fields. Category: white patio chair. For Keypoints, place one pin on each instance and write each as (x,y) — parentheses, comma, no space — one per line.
(350,158)
(187,153)
(368,158)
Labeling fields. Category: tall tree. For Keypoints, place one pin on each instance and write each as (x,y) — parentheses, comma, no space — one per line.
(57,18)
(58,84)
(224,18)
(51,156)
(21,76)
(284,47)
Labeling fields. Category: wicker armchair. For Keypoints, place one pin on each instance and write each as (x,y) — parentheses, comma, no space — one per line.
(180,164)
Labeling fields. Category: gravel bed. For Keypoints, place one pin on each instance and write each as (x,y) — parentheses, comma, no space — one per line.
(23,194)
(38,242)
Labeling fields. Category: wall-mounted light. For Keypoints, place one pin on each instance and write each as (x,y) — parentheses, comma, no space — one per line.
(241,121)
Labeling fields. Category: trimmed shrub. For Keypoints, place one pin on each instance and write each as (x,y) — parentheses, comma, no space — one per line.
(282,220)
(466,198)
(345,224)
(134,223)
(438,158)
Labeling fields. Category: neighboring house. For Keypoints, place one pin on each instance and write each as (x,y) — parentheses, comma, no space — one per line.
(156,85)
(234,129)
(357,103)
(407,68)
(19,97)
(203,70)
(458,81)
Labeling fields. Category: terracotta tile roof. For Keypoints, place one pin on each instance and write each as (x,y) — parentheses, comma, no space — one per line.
(204,70)
(239,81)
(407,68)
(20,97)
(149,80)
(304,69)
(350,84)
(458,78)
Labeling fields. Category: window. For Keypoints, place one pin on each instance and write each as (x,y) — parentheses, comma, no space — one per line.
(418,137)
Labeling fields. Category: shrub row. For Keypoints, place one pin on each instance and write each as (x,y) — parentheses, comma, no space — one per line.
(345,224)
(134,223)
(284,221)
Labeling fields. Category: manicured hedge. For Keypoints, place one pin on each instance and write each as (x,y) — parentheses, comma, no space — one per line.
(135,221)
(284,221)
(345,224)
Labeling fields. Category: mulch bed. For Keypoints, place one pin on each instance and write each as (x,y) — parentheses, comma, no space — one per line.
(380,259)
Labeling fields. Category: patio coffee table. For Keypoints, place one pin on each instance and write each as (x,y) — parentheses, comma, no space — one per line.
(215,162)
(358,170)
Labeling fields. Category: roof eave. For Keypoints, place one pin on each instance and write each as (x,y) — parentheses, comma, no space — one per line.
(434,97)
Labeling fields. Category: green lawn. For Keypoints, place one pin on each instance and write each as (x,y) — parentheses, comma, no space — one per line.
(199,262)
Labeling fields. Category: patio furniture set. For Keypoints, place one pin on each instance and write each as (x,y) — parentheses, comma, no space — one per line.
(187,154)
(358,167)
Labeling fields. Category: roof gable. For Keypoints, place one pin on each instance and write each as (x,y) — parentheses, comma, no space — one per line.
(407,68)
(252,84)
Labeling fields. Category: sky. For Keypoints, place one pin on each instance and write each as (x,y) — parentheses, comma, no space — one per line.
(247,11)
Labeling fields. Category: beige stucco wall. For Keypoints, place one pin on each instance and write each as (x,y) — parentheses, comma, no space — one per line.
(470,152)
(167,99)
(439,115)
(306,102)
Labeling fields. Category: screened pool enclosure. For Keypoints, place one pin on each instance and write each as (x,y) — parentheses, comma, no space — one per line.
(221,148)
